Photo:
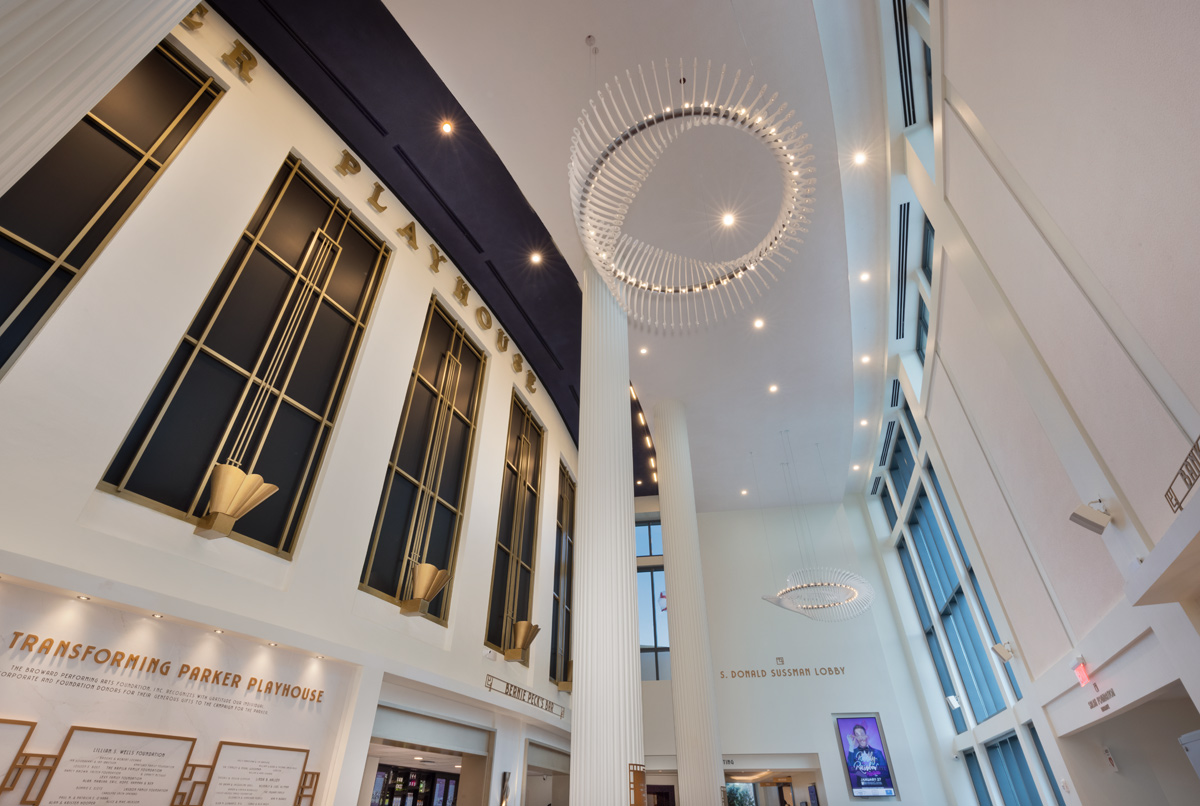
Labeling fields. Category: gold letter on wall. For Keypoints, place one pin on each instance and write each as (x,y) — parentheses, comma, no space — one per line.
(409,231)
(438,259)
(484,317)
(530,382)
(374,200)
(348,165)
(461,290)
(518,363)
(501,340)
(240,60)
(195,18)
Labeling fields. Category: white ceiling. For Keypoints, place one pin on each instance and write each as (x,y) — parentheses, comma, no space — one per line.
(407,757)
(523,72)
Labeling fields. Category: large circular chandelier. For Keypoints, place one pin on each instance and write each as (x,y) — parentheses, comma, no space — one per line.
(613,152)
(825,594)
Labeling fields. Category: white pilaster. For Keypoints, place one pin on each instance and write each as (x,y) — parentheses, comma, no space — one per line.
(606,730)
(697,740)
(58,58)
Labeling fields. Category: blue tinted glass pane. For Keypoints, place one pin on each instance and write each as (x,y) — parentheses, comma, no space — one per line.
(660,609)
(902,465)
(927,246)
(656,539)
(978,679)
(1012,773)
(914,586)
(922,328)
(987,614)
(977,779)
(642,536)
(939,661)
(933,551)
(937,488)
(649,672)
(912,422)
(664,664)
(1041,751)
(645,610)
(888,509)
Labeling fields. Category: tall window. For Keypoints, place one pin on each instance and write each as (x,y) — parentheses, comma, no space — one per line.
(272,344)
(901,468)
(421,506)
(55,220)
(1012,772)
(977,779)
(950,602)
(564,577)
(652,624)
(922,328)
(1041,751)
(927,251)
(512,574)
(649,539)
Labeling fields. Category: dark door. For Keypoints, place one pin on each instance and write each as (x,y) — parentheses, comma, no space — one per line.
(657,795)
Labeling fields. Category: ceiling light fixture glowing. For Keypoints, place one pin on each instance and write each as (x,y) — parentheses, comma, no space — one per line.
(758,323)
(639,482)
(272,643)
(648,444)
(745,492)
(727,219)
(536,257)
(643,351)
(866,359)
(866,275)
(84,598)
(772,388)
(447,127)
(219,632)
(860,158)
(855,467)
(632,393)
(418,758)
(655,475)
(641,418)
(862,422)
(652,464)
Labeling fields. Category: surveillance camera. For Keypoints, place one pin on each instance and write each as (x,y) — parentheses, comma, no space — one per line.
(1004,651)
(1091,518)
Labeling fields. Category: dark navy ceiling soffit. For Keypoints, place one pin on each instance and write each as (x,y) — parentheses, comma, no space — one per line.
(355,66)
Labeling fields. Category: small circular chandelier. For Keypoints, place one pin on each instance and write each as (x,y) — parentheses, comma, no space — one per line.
(825,594)
(614,150)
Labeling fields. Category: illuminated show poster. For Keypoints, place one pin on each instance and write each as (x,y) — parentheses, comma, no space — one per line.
(867,765)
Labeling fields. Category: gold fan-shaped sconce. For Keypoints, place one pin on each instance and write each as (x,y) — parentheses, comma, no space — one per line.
(523,636)
(427,582)
(232,494)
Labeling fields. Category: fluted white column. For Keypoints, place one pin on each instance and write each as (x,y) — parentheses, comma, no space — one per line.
(58,58)
(697,739)
(606,724)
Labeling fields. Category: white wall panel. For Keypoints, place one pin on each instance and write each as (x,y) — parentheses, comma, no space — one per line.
(1078,566)
(1031,613)
(1094,105)
(1140,443)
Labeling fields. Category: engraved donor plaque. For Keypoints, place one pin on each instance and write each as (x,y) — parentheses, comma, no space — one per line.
(102,766)
(246,774)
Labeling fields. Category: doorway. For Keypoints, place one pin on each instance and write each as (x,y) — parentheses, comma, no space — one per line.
(660,795)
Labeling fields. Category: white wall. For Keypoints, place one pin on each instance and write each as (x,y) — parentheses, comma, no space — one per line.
(70,397)
(747,554)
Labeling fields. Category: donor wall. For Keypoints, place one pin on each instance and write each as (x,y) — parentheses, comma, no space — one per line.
(100,705)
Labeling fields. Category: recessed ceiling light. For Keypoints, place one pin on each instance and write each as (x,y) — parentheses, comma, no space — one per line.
(727,219)
(447,127)
(641,418)
(84,598)
(536,257)
(418,758)
(860,158)
(772,388)
(272,643)
(652,465)
(219,632)
(643,351)
(458,766)
(862,422)
(320,657)
(855,467)
(759,323)
(745,492)
(655,475)
(866,275)
(157,615)
(795,173)
(639,482)
(866,359)
(648,443)
(632,393)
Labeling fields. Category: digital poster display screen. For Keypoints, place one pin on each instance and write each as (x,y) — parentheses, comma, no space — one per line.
(865,751)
